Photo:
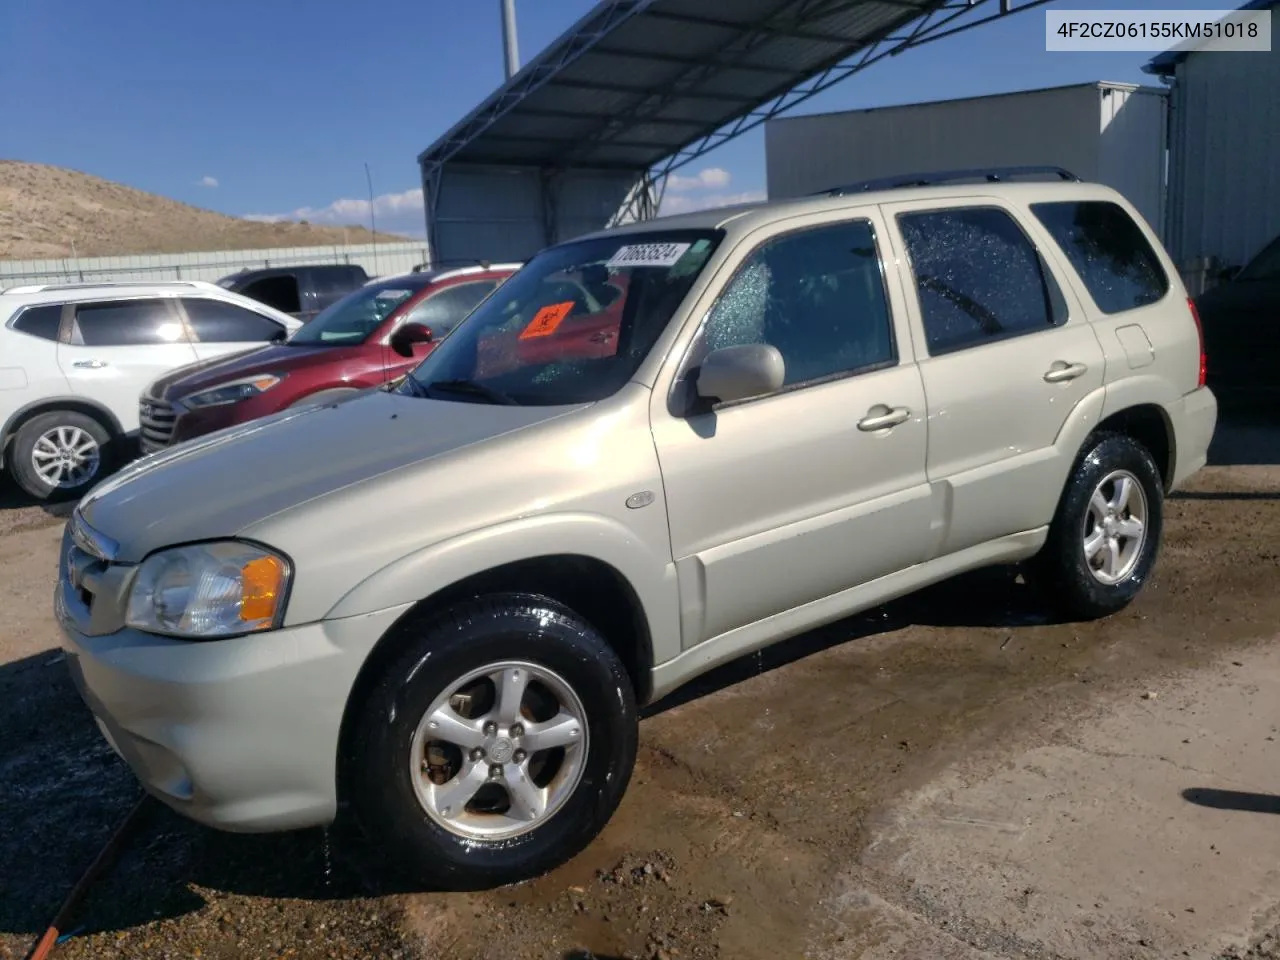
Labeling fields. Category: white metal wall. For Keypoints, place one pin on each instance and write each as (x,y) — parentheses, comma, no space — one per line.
(1224,179)
(1099,131)
(1133,147)
(381,258)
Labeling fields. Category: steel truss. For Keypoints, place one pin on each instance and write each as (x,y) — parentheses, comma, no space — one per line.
(935,24)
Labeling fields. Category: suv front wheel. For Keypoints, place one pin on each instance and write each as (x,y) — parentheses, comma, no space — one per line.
(497,745)
(1104,539)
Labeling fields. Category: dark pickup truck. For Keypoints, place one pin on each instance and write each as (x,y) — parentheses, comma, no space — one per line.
(300,291)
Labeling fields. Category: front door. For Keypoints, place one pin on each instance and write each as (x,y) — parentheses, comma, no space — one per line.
(118,347)
(785,499)
(1006,358)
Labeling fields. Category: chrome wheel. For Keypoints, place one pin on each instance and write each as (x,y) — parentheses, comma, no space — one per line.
(66,457)
(499,752)
(1115,527)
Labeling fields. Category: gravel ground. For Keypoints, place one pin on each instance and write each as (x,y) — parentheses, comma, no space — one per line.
(755,788)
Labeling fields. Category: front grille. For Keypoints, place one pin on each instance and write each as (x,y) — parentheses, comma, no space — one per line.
(157,418)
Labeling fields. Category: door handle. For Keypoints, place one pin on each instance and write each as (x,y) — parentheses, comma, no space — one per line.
(882,418)
(90,364)
(1060,372)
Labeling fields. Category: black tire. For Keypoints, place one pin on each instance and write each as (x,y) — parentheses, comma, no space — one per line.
(1061,570)
(23,470)
(448,646)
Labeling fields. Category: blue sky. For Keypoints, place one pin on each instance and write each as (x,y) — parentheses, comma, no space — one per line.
(262,107)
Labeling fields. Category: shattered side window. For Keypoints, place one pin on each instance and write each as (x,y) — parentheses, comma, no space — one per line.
(1109,252)
(978,278)
(817,295)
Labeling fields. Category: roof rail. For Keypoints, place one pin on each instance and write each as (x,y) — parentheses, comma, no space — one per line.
(987,174)
(98,285)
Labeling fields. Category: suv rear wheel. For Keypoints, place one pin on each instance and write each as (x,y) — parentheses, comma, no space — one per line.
(60,455)
(497,745)
(1104,539)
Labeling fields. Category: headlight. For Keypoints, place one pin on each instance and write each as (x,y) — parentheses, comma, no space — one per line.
(209,590)
(232,392)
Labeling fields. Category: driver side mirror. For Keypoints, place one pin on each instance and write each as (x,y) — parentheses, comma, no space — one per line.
(403,339)
(741,372)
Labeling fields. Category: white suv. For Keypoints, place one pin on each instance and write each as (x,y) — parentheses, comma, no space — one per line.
(74,359)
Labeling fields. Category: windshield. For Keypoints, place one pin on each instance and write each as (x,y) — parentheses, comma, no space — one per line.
(1265,266)
(352,319)
(571,327)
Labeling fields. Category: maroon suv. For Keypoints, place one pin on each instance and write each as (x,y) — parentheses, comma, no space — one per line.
(370,337)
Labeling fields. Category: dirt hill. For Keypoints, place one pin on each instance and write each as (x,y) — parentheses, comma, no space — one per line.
(44,209)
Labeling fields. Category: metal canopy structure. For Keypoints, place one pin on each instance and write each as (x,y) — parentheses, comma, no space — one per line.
(587,132)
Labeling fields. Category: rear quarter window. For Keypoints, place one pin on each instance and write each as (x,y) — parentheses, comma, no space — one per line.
(1108,251)
(42,321)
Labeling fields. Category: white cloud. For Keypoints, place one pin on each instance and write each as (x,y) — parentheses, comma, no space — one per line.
(685,204)
(207,181)
(395,212)
(710,178)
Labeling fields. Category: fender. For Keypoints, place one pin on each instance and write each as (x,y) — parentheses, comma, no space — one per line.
(1141,389)
(62,402)
(424,572)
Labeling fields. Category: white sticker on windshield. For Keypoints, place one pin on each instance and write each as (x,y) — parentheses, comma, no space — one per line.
(648,255)
(392,294)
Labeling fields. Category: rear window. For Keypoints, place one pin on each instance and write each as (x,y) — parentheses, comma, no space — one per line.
(1109,252)
(42,321)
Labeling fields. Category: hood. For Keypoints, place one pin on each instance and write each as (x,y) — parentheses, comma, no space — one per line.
(275,358)
(219,485)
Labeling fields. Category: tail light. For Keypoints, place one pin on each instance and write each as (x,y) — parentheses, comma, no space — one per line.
(1204,361)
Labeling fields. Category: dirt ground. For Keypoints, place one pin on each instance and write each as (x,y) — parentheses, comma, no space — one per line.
(953,777)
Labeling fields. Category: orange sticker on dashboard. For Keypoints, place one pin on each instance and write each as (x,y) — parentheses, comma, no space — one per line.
(547,320)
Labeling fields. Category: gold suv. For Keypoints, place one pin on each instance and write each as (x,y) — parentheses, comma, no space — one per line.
(651,450)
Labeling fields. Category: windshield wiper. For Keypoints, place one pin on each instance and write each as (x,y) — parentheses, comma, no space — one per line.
(471,389)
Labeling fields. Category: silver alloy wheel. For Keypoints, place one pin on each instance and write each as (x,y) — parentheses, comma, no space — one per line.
(1115,527)
(66,457)
(500,751)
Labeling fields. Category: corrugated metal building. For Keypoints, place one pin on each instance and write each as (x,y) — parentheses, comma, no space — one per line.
(1224,150)
(1113,133)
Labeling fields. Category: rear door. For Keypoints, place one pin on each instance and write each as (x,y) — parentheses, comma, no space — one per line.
(324,286)
(1005,358)
(117,347)
(279,290)
(29,358)
(218,327)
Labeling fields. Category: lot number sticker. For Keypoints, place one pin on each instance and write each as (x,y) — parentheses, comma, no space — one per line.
(648,255)
(546,320)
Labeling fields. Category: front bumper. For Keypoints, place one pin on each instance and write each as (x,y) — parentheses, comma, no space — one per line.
(239,734)
(1194,418)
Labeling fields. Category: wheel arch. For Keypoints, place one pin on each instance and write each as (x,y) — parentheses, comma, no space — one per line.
(592,588)
(1149,425)
(82,405)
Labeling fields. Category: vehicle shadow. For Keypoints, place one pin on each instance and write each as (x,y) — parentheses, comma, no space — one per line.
(12,498)
(65,791)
